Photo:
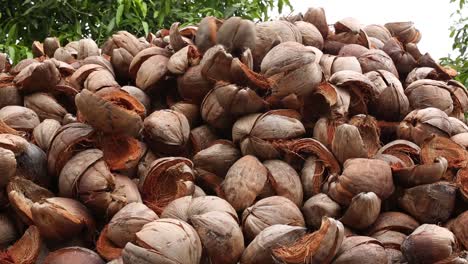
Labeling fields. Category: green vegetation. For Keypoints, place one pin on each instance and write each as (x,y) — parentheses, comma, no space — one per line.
(22,22)
(459,32)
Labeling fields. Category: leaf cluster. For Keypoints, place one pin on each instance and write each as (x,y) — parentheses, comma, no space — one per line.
(22,22)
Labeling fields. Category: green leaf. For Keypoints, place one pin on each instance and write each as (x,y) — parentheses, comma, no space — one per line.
(11,34)
(12,53)
(110,26)
(145,27)
(118,14)
(144,9)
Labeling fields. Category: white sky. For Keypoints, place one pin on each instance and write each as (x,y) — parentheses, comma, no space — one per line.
(431,17)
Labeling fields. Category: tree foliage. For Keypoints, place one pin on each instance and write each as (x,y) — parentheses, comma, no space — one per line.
(22,22)
(459,32)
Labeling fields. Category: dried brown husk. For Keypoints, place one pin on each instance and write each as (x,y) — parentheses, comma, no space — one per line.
(9,95)
(45,106)
(430,203)
(421,174)
(73,255)
(420,73)
(201,137)
(22,194)
(361,175)
(121,60)
(244,181)
(294,68)
(238,101)
(390,103)
(86,48)
(391,241)
(164,240)
(316,16)
(122,153)
(429,243)
(421,124)
(328,100)
(164,182)
(9,232)
(325,129)
(8,165)
(436,146)
(358,139)
(68,140)
(106,248)
(271,33)
(189,110)
(353,50)
(78,78)
(458,126)
(19,118)
(394,221)
(213,113)
(377,31)
(283,180)
(311,36)
(138,94)
(192,86)
(404,61)
(186,207)
(306,149)
(183,59)
(347,143)
(260,249)
(462,182)
(361,89)
(86,176)
(30,159)
(460,229)
(375,59)
(176,40)
(148,67)
(206,33)
(317,207)
(459,96)
(362,211)
(429,93)
(216,64)
(4,63)
(45,132)
(26,250)
(125,40)
(359,249)
(270,211)
(318,247)
(256,133)
(404,31)
(236,35)
(217,158)
(220,236)
(111,110)
(99,79)
(446,73)
(38,77)
(51,44)
(461,139)
(331,64)
(167,131)
(127,222)
(348,30)
(65,54)
(69,218)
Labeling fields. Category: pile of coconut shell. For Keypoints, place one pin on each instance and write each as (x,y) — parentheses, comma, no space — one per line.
(287,141)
